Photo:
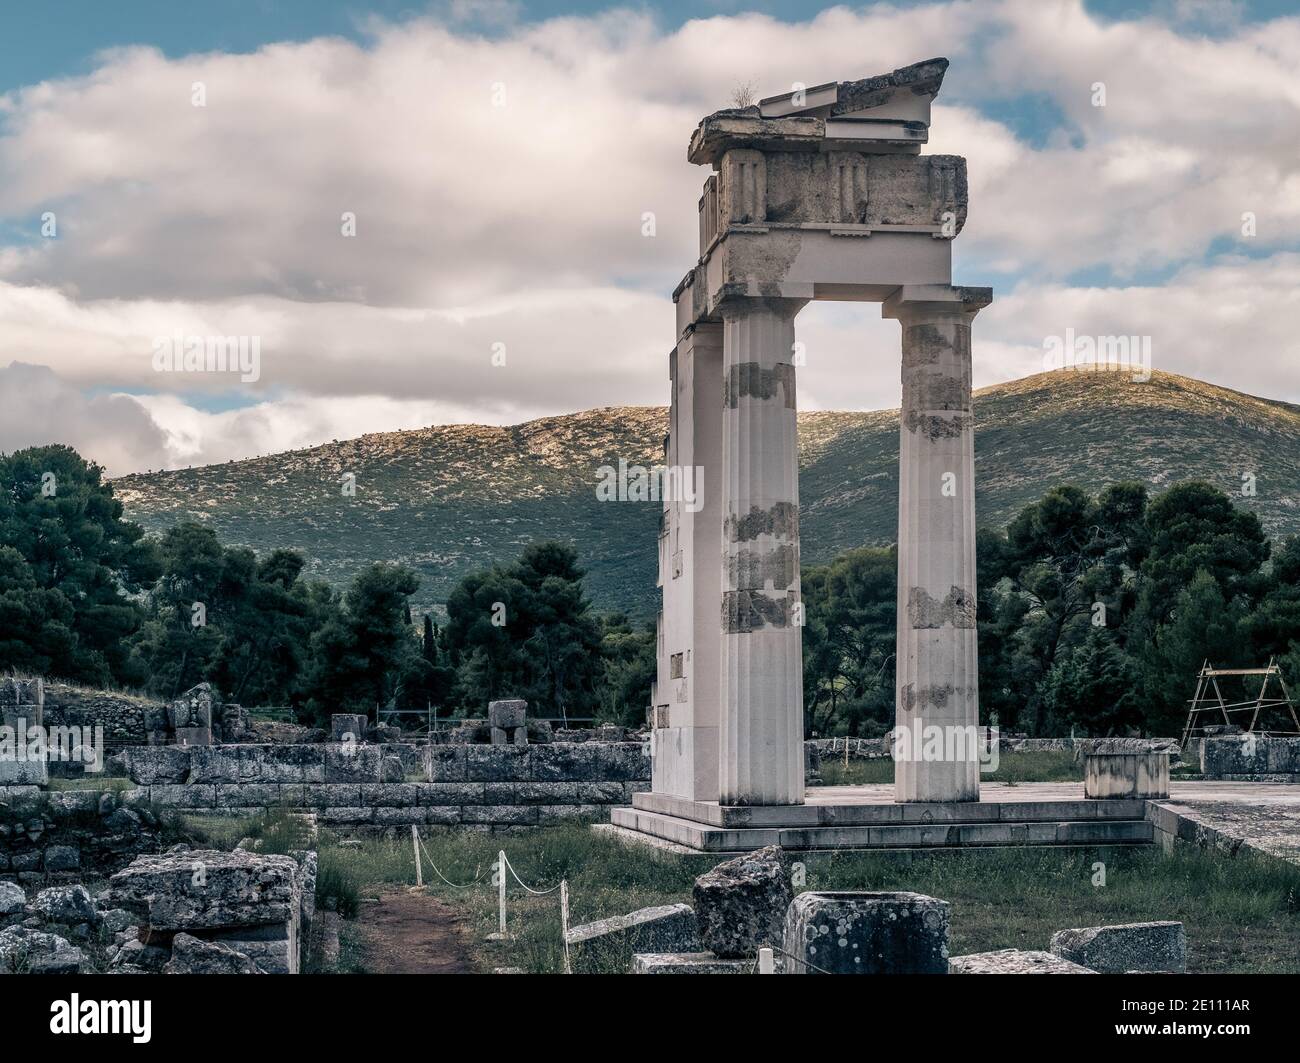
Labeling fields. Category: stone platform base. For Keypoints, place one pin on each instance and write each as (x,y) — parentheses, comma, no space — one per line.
(860,818)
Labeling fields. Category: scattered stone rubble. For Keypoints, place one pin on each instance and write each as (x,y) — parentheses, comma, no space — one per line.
(66,835)
(180,912)
(1014,961)
(608,944)
(740,901)
(1159,946)
(250,903)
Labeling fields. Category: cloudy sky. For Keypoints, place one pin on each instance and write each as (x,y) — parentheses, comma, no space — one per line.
(498,159)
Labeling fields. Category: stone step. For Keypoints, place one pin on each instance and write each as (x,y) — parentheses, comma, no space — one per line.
(822,813)
(706,838)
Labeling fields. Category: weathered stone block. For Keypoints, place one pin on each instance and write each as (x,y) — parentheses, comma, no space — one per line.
(345,724)
(12,898)
(68,905)
(1126,775)
(867,933)
(176,796)
(205,889)
(248,795)
(444,763)
(191,955)
(1013,961)
(150,765)
(391,795)
(274,947)
(27,772)
(568,813)
(609,944)
(507,715)
(332,795)
(444,817)
(194,736)
(687,963)
(292,763)
(499,763)
(500,815)
(347,815)
(741,903)
(435,794)
(1160,946)
(62,858)
(37,952)
(348,763)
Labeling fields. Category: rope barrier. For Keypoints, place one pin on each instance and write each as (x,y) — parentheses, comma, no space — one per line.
(499,868)
(535,893)
(478,877)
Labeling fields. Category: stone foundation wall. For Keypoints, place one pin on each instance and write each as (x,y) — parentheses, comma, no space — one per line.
(125,719)
(1248,758)
(64,836)
(480,787)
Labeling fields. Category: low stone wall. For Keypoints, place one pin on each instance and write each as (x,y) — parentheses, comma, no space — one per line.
(1249,758)
(64,836)
(125,718)
(480,787)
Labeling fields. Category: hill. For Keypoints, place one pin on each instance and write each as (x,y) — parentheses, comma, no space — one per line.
(452,498)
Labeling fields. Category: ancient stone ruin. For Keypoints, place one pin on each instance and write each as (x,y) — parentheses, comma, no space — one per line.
(821,193)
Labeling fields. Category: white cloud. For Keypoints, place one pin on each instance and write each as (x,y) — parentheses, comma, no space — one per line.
(37,407)
(521,224)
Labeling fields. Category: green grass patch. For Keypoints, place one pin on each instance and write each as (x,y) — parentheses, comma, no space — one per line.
(114,783)
(1037,766)
(1242,914)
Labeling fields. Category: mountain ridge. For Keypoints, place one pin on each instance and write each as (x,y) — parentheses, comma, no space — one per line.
(449,498)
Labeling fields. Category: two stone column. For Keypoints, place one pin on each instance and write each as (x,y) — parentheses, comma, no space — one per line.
(761,696)
(937,697)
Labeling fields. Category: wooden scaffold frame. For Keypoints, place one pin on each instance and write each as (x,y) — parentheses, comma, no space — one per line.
(1209,698)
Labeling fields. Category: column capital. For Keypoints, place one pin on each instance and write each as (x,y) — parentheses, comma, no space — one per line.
(742,305)
(913,300)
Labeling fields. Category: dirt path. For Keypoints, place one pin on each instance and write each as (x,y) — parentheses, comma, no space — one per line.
(413,933)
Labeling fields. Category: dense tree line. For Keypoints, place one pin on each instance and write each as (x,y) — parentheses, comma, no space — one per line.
(86,596)
(1094,614)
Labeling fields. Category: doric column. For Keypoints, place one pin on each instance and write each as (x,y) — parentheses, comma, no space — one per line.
(761,696)
(937,697)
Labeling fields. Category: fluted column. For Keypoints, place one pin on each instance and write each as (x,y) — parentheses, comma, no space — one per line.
(761,696)
(937,695)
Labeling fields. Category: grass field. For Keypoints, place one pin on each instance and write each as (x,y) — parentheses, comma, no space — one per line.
(1242,914)
(1038,766)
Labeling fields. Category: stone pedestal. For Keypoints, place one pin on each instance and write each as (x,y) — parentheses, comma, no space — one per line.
(508,721)
(1126,775)
(936,747)
(346,723)
(761,702)
(22,707)
(866,933)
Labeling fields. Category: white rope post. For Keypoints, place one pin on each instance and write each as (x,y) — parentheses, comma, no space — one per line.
(501,892)
(564,922)
(766,962)
(415,848)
